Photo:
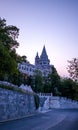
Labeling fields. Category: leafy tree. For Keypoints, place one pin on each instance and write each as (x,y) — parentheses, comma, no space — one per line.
(29,80)
(18,78)
(69,88)
(54,81)
(8,35)
(73,69)
(8,44)
(7,63)
(75,87)
(47,87)
(38,80)
(37,101)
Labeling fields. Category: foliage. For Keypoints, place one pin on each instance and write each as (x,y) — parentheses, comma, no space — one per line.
(7,87)
(38,81)
(8,35)
(37,100)
(16,78)
(73,69)
(8,44)
(69,88)
(54,81)
(24,58)
(46,85)
(29,80)
(7,63)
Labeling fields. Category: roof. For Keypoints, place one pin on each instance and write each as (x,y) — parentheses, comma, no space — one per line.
(44,55)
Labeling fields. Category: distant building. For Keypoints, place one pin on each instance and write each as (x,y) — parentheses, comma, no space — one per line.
(42,63)
(26,68)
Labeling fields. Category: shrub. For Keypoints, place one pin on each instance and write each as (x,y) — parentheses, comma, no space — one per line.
(37,100)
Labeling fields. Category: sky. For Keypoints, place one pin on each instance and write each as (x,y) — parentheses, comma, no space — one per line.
(53,23)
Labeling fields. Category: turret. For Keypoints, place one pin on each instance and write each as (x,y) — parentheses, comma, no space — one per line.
(37,59)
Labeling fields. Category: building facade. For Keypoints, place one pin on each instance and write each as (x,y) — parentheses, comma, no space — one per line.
(42,64)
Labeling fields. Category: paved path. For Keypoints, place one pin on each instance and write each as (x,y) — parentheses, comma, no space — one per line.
(56,119)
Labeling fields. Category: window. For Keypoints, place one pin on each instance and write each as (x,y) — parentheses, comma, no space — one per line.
(44,63)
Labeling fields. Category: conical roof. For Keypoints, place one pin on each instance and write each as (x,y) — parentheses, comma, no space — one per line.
(37,56)
(44,55)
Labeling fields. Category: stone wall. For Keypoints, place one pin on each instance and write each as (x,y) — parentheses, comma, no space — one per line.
(15,104)
(47,102)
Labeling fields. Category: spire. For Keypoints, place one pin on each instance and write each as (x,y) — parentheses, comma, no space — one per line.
(44,54)
(37,59)
(37,55)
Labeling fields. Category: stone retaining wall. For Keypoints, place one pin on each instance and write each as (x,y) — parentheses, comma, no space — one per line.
(15,104)
(57,102)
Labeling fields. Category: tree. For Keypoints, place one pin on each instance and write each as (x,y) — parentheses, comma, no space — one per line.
(38,80)
(8,35)
(73,69)
(7,63)
(47,87)
(55,81)
(8,44)
(67,88)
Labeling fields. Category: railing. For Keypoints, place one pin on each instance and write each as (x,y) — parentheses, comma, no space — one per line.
(45,94)
(61,99)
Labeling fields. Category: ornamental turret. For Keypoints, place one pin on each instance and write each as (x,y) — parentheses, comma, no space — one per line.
(37,59)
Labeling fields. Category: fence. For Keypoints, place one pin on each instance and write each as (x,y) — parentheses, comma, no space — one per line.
(45,94)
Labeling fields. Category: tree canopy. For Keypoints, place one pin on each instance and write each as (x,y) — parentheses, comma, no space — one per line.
(8,35)
(8,44)
(55,81)
(38,81)
(73,69)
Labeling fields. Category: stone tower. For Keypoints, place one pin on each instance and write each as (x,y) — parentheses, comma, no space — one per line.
(43,63)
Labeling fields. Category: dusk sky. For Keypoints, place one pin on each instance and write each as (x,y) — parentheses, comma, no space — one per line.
(53,23)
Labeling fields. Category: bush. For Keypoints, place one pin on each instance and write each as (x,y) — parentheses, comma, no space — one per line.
(37,100)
